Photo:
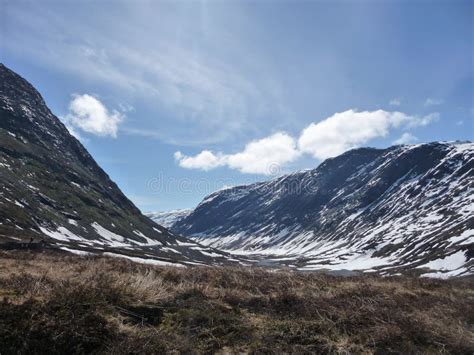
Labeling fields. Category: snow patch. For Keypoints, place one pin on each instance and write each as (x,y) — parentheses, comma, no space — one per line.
(449,263)
(144,261)
(114,239)
(62,234)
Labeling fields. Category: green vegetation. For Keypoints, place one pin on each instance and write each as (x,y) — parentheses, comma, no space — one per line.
(58,303)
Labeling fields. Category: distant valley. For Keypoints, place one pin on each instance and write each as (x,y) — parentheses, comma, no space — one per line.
(168,218)
(403,209)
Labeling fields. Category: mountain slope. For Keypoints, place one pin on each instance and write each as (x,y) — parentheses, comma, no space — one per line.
(168,218)
(394,209)
(52,190)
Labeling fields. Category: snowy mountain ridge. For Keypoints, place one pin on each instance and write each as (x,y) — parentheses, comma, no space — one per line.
(402,208)
(168,218)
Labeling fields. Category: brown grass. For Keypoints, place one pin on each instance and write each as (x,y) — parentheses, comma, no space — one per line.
(69,304)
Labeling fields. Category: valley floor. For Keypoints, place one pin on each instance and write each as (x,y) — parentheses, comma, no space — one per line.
(61,303)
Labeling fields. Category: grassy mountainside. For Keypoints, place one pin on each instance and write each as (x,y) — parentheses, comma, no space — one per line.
(53,303)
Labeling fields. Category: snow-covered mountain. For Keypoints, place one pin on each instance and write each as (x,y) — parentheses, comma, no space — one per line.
(53,193)
(167,219)
(396,209)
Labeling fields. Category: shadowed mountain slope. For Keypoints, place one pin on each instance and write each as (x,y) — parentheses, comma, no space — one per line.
(395,209)
(52,190)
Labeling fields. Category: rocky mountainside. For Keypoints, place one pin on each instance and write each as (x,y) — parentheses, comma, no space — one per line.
(53,193)
(168,218)
(391,210)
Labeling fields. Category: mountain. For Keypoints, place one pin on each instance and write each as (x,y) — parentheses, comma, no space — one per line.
(391,210)
(168,218)
(53,193)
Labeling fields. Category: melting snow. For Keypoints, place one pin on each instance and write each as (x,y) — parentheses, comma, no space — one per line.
(19,204)
(74,251)
(214,255)
(446,275)
(149,241)
(358,262)
(145,261)
(115,239)
(466,237)
(62,234)
(449,263)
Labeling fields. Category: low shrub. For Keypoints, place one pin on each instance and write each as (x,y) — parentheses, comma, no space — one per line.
(57,304)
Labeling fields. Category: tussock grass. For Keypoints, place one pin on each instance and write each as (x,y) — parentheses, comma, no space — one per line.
(59,304)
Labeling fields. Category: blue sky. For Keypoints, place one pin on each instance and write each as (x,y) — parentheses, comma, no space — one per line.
(177,99)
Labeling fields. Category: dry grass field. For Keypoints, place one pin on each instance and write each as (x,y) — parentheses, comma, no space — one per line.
(64,304)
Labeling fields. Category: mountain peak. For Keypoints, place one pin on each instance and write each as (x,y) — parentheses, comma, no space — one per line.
(18,95)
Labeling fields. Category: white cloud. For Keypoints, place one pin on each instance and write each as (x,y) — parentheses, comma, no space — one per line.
(417,121)
(395,102)
(433,102)
(327,138)
(406,138)
(350,129)
(206,160)
(90,115)
(265,156)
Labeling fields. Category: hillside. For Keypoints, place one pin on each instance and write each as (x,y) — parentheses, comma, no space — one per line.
(53,194)
(389,210)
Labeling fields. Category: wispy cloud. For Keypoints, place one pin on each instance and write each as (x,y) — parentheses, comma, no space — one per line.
(194,76)
(406,138)
(433,102)
(395,102)
(324,139)
(422,121)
